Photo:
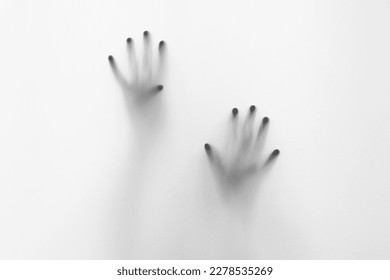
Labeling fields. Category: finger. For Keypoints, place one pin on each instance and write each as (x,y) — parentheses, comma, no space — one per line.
(263,127)
(132,59)
(147,56)
(247,132)
(157,89)
(261,135)
(234,113)
(160,72)
(269,162)
(272,157)
(117,73)
(233,132)
(214,158)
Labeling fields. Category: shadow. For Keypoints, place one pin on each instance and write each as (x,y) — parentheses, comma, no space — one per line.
(142,92)
(239,169)
(143,88)
(145,78)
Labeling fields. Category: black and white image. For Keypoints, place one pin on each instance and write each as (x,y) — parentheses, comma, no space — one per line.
(194,129)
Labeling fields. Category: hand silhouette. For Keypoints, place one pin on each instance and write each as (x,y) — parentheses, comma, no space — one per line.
(145,79)
(146,110)
(242,157)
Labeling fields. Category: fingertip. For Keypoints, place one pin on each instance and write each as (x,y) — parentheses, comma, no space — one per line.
(129,40)
(234,111)
(275,153)
(252,109)
(207,147)
(265,120)
(146,33)
(161,44)
(160,87)
(110,58)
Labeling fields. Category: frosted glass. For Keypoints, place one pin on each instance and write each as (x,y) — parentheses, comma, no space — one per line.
(84,176)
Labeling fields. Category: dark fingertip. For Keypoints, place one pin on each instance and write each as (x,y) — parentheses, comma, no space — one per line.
(252,108)
(160,87)
(265,120)
(275,153)
(161,45)
(207,147)
(235,111)
(146,33)
(129,40)
(110,58)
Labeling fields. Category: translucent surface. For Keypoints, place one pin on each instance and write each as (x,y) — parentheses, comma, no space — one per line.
(85,176)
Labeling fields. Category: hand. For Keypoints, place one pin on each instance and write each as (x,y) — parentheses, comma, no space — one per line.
(145,80)
(242,157)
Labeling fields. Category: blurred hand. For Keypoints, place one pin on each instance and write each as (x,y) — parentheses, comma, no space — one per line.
(242,158)
(144,80)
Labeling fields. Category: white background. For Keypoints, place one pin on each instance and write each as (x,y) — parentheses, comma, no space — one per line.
(84,177)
